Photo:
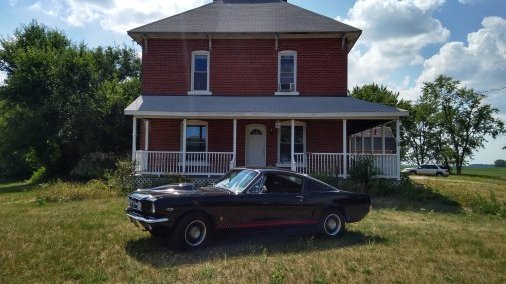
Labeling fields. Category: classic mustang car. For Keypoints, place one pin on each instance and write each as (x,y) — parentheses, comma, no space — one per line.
(244,198)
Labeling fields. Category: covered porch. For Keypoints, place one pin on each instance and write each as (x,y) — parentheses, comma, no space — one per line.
(294,135)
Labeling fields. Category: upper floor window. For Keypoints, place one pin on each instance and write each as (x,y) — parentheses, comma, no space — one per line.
(287,73)
(200,73)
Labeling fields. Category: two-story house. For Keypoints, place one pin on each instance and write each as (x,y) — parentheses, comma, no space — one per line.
(249,82)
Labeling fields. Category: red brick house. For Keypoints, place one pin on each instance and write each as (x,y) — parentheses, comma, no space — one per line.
(249,82)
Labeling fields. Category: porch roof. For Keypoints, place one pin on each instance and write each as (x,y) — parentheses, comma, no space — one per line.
(260,107)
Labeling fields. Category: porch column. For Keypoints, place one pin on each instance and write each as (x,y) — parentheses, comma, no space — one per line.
(363,141)
(184,146)
(146,135)
(345,150)
(134,137)
(383,139)
(293,168)
(234,161)
(372,130)
(398,142)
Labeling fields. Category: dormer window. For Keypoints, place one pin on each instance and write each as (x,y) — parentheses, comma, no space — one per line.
(287,73)
(200,73)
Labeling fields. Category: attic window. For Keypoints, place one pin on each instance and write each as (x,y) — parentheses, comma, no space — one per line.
(200,73)
(287,73)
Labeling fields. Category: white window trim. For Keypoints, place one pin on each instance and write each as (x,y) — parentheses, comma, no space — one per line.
(289,123)
(200,92)
(281,53)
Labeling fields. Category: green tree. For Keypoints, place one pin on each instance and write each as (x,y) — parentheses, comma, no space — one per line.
(463,119)
(500,163)
(382,95)
(61,100)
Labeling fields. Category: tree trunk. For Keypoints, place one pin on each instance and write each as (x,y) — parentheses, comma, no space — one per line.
(459,169)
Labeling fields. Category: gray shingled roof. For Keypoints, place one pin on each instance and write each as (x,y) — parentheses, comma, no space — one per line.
(245,16)
(260,107)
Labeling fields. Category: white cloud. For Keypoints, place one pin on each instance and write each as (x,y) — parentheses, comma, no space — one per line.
(481,64)
(467,1)
(394,33)
(115,15)
(13,2)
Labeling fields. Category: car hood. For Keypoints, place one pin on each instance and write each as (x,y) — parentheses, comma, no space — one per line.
(177,190)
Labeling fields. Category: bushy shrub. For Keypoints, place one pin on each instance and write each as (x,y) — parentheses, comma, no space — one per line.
(60,191)
(489,205)
(362,172)
(122,177)
(39,176)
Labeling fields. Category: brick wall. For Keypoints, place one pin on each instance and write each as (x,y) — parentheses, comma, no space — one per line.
(322,136)
(245,67)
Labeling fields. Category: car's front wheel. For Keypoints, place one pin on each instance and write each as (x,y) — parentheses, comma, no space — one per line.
(333,224)
(191,231)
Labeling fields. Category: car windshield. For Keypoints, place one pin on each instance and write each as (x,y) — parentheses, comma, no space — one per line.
(236,180)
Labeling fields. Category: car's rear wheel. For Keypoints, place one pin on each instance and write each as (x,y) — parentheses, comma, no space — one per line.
(192,231)
(439,174)
(333,224)
(412,172)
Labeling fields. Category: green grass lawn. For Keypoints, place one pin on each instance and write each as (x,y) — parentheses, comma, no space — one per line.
(400,241)
(491,172)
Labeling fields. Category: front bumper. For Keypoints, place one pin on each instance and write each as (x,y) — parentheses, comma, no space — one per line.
(146,219)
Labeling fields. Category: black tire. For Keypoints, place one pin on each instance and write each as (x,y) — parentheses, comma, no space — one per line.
(332,224)
(438,174)
(191,232)
(159,232)
(412,173)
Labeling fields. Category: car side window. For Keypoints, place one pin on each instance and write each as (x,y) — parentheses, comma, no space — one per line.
(257,186)
(434,167)
(311,185)
(281,183)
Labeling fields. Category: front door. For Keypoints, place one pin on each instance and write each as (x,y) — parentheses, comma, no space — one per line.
(255,145)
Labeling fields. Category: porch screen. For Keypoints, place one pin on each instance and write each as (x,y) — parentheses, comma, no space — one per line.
(196,136)
(285,142)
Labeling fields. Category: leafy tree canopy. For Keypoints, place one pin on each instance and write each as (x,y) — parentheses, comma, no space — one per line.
(61,100)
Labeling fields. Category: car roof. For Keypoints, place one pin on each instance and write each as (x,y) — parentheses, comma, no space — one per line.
(268,170)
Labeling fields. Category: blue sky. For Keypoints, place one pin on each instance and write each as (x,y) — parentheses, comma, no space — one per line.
(404,42)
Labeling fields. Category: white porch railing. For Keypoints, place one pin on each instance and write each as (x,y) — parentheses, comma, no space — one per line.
(332,163)
(196,163)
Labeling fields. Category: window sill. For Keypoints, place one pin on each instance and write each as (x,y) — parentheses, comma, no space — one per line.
(286,93)
(199,93)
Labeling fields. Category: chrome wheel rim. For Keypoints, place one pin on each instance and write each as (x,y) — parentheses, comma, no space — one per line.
(195,233)
(332,225)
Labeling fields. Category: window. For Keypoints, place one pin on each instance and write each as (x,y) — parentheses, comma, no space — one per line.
(200,73)
(312,185)
(285,142)
(287,73)
(279,183)
(196,136)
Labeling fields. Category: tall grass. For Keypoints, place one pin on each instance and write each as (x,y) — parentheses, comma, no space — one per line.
(60,191)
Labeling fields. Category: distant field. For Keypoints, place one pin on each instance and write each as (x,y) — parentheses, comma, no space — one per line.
(493,172)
